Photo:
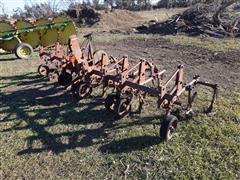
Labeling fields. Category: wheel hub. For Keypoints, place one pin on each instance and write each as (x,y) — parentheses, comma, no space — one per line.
(25,51)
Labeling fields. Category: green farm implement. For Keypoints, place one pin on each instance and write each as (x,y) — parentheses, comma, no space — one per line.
(23,36)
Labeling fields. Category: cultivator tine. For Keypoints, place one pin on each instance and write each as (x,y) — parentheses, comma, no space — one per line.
(214,96)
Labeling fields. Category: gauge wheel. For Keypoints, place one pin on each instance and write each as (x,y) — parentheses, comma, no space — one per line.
(122,106)
(168,127)
(43,70)
(83,90)
(23,51)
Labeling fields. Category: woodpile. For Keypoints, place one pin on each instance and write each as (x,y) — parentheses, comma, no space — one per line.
(84,15)
(210,19)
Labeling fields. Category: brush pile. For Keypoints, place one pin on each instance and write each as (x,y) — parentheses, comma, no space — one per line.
(211,19)
(84,15)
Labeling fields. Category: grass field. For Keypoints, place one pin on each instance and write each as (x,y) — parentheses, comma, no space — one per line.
(46,134)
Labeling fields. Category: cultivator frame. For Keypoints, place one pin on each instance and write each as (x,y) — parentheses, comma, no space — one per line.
(63,61)
(129,83)
(53,61)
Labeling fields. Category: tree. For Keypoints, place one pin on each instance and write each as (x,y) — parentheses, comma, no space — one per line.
(3,14)
(95,3)
(50,8)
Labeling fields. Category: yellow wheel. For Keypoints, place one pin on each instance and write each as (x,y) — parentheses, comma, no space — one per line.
(23,51)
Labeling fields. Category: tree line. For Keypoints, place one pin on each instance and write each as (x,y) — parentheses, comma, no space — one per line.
(54,7)
(141,4)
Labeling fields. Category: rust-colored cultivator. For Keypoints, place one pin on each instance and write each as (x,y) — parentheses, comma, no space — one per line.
(135,84)
(62,62)
(53,61)
(83,69)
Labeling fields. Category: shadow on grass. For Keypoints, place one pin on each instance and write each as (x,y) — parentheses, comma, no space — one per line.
(45,108)
(29,78)
(8,59)
(130,144)
(6,56)
(10,56)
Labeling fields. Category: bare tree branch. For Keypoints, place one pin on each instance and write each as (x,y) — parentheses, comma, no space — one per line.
(216,16)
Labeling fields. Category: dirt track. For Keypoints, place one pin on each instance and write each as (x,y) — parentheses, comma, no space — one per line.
(222,68)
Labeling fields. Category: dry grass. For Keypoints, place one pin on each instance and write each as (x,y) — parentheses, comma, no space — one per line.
(159,15)
(128,19)
(212,44)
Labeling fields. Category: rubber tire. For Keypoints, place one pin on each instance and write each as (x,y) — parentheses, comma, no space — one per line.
(47,70)
(109,101)
(19,46)
(167,122)
(65,79)
(79,87)
(117,107)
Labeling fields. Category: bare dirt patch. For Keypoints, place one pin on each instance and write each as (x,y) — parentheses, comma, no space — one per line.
(118,18)
(220,67)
